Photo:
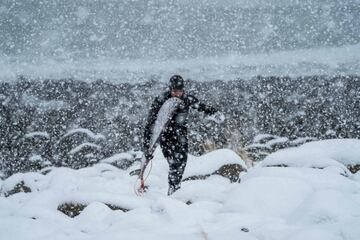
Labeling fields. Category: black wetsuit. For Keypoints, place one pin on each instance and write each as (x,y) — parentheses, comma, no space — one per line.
(174,141)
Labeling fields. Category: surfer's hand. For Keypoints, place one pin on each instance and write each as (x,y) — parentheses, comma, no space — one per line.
(148,156)
(218,117)
(142,184)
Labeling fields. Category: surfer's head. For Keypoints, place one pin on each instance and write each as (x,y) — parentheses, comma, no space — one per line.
(176,86)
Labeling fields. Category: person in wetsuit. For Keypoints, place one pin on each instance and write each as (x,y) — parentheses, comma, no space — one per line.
(174,141)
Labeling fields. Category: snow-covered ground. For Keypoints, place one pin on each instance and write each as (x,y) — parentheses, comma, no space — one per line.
(342,60)
(274,203)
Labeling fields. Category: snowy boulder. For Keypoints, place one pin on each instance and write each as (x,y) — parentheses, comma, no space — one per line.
(37,162)
(79,148)
(38,142)
(83,133)
(33,151)
(257,151)
(265,144)
(35,135)
(330,154)
(223,162)
(300,141)
(84,155)
(46,170)
(19,187)
(278,143)
(263,138)
(21,182)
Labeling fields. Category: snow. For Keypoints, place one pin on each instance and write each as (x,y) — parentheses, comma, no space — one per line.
(205,40)
(258,145)
(277,141)
(304,192)
(36,134)
(302,140)
(85,131)
(260,137)
(265,196)
(84,145)
(318,154)
(118,157)
(268,141)
(32,180)
(35,158)
(272,202)
(42,105)
(213,161)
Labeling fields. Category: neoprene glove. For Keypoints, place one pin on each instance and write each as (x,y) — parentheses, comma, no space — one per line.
(148,156)
(218,117)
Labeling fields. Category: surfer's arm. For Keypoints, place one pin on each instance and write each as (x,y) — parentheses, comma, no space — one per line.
(201,107)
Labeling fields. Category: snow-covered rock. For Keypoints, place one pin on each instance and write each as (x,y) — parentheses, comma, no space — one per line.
(265,144)
(84,147)
(335,153)
(22,182)
(223,162)
(44,135)
(86,132)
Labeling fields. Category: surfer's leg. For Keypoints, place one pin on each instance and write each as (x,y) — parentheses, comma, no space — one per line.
(176,155)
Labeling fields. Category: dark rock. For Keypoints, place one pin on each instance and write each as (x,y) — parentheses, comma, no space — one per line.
(257,148)
(197,177)
(123,164)
(230,171)
(260,149)
(266,139)
(279,145)
(300,141)
(20,187)
(354,168)
(71,209)
(278,165)
(74,209)
(115,207)
(257,156)
(86,155)
(45,171)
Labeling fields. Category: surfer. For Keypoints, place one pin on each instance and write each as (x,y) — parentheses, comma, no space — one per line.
(173,139)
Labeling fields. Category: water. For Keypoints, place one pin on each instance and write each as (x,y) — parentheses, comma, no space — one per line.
(138,39)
